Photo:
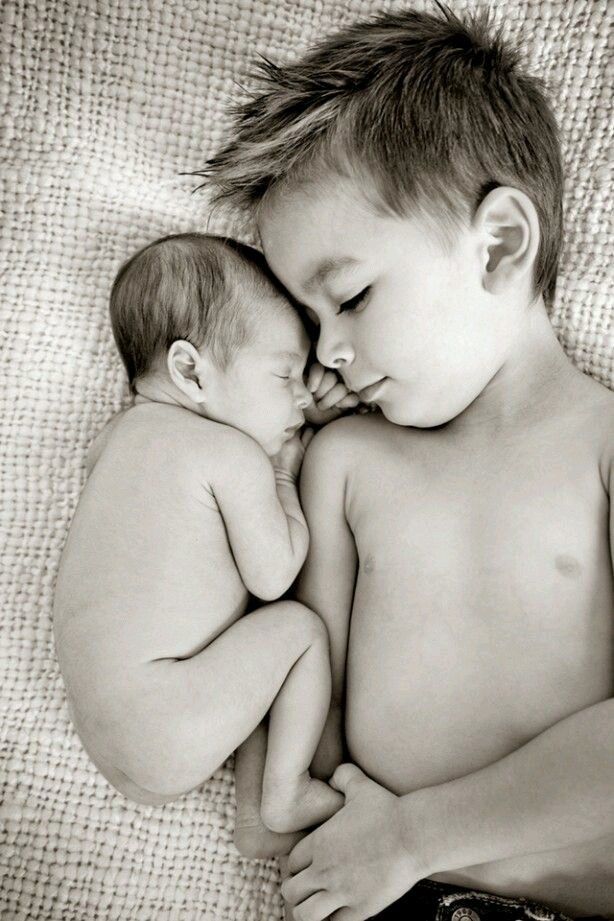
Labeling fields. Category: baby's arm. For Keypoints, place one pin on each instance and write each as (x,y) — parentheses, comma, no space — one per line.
(259,503)
(327,580)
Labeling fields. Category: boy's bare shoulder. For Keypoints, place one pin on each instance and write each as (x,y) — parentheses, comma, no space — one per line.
(595,411)
(603,423)
(348,441)
(587,418)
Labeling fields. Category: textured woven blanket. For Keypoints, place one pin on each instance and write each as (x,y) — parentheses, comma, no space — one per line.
(103,105)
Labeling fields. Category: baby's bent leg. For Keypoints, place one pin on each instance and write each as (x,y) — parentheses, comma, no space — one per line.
(252,838)
(291,798)
(188,715)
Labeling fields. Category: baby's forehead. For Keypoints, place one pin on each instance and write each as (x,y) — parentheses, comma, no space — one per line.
(280,334)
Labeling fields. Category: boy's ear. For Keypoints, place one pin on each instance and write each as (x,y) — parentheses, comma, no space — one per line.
(186,368)
(509,228)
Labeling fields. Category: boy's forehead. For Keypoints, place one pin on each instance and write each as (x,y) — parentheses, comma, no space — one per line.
(327,268)
(315,231)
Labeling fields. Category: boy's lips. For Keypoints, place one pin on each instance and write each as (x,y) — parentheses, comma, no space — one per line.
(370,393)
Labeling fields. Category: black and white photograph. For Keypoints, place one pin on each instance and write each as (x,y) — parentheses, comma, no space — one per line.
(306,460)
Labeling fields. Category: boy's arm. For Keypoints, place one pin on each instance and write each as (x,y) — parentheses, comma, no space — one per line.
(259,504)
(555,791)
(326,582)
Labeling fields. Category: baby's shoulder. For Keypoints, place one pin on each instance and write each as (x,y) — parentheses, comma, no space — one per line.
(157,435)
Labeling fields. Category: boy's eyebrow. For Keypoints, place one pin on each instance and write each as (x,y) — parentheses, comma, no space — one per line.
(326,268)
(293,356)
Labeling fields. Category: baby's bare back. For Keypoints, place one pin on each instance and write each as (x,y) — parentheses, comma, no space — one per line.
(483,610)
(147,572)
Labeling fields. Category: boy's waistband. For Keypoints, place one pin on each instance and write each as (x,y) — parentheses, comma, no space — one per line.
(432,901)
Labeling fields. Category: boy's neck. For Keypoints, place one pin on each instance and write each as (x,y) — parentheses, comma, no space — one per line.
(529,386)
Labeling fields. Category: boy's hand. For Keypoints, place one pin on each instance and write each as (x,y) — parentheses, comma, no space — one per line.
(356,863)
(289,458)
(330,396)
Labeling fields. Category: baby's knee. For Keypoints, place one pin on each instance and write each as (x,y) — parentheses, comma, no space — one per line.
(298,616)
(137,794)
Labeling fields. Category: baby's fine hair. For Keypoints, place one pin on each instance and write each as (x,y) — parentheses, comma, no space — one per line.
(200,288)
(431,110)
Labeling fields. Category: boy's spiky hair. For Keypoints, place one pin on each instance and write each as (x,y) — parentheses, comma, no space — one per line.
(434,110)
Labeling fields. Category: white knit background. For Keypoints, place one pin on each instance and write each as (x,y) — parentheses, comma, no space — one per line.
(102,105)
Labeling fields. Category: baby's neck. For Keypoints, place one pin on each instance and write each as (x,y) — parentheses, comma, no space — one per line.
(160,389)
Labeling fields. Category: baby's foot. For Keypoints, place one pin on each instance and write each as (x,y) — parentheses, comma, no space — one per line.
(254,840)
(303,802)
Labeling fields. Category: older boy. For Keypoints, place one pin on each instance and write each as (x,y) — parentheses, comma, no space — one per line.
(405,177)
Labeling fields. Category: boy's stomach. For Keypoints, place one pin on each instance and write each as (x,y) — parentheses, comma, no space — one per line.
(438,688)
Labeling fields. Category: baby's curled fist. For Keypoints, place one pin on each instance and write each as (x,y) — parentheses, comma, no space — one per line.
(330,396)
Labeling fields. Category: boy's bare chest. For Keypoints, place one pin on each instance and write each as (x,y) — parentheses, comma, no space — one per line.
(522,530)
(482,611)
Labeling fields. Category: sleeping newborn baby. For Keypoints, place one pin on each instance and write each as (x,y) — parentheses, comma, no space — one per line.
(191,505)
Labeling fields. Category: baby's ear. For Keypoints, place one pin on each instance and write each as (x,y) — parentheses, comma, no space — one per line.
(509,232)
(184,365)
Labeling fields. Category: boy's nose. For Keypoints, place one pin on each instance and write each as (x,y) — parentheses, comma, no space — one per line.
(333,352)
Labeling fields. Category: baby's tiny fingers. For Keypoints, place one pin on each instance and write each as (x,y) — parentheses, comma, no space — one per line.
(306,436)
(349,401)
(333,397)
(329,380)
(314,378)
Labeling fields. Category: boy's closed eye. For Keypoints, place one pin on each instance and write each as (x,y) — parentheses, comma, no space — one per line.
(354,302)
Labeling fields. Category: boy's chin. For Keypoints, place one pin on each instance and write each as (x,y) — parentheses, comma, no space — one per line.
(416,417)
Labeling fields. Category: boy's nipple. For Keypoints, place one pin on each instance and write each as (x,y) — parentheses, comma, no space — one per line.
(369,564)
(568,565)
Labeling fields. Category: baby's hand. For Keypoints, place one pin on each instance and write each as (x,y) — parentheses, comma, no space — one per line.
(330,396)
(287,462)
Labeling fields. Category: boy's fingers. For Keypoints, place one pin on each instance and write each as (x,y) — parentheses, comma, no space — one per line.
(329,380)
(314,378)
(333,397)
